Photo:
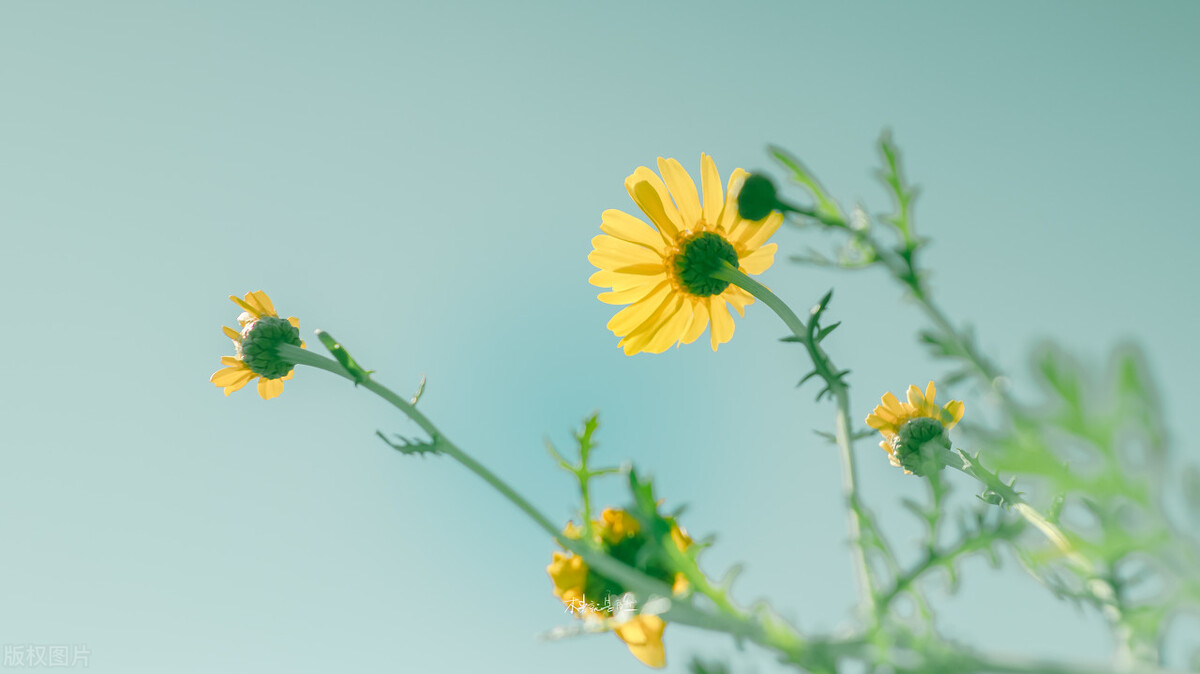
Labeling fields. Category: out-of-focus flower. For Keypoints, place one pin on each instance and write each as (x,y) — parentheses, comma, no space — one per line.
(590,595)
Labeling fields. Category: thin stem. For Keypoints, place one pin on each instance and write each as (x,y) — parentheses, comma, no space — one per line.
(825,368)
(772,634)
(903,269)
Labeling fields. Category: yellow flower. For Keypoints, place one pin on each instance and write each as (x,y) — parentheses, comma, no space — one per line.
(261,330)
(664,273)
(891,415)
(590,595)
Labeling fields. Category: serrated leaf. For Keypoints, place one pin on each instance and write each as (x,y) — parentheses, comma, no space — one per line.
(827,436)
(826,330)
(806,377)
(409,447)
(339,352)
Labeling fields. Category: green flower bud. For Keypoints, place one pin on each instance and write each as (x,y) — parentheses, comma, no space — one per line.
(260,338)
(757,198)
(922,446)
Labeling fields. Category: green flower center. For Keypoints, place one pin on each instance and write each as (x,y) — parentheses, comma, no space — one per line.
(260,340)
(699,256)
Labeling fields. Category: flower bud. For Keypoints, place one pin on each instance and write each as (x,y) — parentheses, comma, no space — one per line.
(258,347)
(757,197)
(922,446)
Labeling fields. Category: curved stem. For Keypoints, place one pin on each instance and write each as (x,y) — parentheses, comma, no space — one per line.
(825,368)
(773,634)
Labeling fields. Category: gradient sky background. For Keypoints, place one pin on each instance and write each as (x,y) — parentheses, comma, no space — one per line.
(423,180)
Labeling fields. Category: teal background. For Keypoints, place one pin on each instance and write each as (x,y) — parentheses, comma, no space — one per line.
(423,180)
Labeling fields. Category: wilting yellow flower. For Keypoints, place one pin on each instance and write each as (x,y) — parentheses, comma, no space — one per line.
(664,273)
(891,415)
(254,347)
(590,595)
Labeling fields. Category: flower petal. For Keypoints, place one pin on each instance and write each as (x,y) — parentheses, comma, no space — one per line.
(643,635)
(269,388)
(229,376)
(880,423)
(729,216)
(699,322)
(261,302)
(628,319)
(752,235)
(621,252)
(621,281)
(649,193)
(916,398)
(720,329)
(954,410)
(672,328)
(231,333)
(710,180)
(738,299)
(892,404)
(629,295)
(682,189)
(639,337)
(760,260)
(625,226)
(568,572)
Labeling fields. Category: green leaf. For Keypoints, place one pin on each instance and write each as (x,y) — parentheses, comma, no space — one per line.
(420,391)
(827,209)
(1191,490)
(1061,374)
(410,447)
(339,352)
(903,195)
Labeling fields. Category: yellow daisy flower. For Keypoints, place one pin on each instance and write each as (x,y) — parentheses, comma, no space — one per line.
(664,273)
(892,415)
(618,534)
(261,330)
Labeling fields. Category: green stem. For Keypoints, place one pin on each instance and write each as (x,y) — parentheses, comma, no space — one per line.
(1012,499)
(772,634)
(1096,585)
(825,368)
(903,269)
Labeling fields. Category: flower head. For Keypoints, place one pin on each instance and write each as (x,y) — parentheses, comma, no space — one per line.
(591,596)
(907,426)
(254,347)
(664,272)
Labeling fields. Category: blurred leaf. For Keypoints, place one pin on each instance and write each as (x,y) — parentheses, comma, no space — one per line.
(1060,372)
(826,208)
(1191,490)
(903,195)
(698,666)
